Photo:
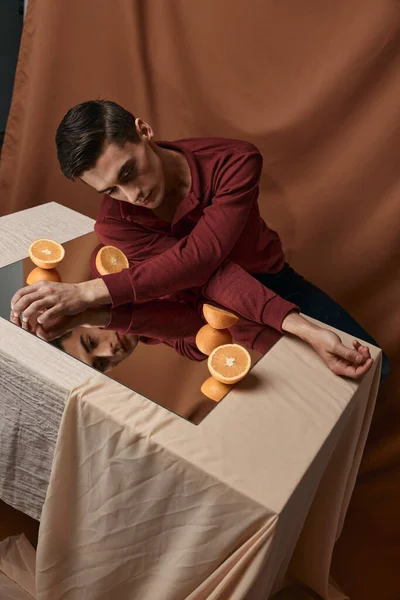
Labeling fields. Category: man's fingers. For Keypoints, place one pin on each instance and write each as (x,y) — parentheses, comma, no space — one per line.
(367,365)
(25,301)
(57,326)
(20,294)
(34,288)
(26,326)
(351,370)
(47,334)
(25,296)
(50,334)
(35,308)
(352,356)
(357,372)
(15,320)
(52,313)
(364,350)
(44,335)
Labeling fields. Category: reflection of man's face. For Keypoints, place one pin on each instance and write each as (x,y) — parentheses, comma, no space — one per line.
(99,348)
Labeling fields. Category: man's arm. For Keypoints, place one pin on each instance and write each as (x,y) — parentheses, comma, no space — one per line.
(162,320)
(349,362)
(340,360)
(249,299)
(234,288)
(191,261)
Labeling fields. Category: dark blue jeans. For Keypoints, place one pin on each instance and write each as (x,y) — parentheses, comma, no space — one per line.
(315,303)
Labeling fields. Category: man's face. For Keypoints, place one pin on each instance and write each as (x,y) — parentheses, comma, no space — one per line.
(133,173)
(99,348)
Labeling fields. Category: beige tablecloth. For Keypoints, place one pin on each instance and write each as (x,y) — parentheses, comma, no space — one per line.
(17,569)
(144,505)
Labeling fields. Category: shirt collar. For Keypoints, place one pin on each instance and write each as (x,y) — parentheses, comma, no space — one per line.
(195,188)
(142,214)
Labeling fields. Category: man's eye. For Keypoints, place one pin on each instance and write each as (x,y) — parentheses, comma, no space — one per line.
(91,342)
(128,174)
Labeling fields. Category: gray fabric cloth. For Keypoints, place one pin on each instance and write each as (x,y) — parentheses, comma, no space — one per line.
(28,435)
(35,378)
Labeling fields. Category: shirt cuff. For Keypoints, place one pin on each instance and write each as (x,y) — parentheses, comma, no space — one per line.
(276,310)
(120,319)
(120,288)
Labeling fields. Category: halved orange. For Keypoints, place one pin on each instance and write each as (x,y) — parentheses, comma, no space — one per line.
(229,363)
(208,338)
(214,389)
(45,253)
(110,259)
(38,274)
(219,318)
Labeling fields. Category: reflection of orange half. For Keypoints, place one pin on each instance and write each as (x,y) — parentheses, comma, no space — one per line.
(110,259)
(229,363)
(219,318)
(208,338)
(214,389)
(38,274)
(45,253)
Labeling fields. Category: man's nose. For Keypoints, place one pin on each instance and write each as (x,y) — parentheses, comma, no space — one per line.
(107,348)
(132,193)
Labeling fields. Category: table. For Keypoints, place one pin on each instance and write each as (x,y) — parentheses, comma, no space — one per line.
(142,504)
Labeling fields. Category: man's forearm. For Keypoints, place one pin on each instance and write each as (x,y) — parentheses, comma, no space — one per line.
(95,292)
(235,289)
(297,325)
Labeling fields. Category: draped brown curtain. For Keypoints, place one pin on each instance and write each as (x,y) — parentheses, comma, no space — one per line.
(316,86)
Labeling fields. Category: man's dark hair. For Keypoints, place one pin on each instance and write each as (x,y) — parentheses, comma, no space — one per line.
(86,129)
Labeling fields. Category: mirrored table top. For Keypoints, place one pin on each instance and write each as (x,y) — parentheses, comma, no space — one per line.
(156,369)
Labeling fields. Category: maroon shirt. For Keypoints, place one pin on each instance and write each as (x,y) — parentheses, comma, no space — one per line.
(176,323)
(216,240)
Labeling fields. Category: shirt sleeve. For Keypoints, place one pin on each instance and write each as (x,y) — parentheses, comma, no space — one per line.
(254,336)
(235,289)
(163,320)
(136,242)
(229,286)
(192,260)
(187,347)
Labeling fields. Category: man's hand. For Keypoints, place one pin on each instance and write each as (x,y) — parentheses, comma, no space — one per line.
(45,301)
(59,326)
(55,328)
(340,359)
(349,362)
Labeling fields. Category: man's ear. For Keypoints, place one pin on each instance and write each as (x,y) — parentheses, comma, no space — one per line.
(144,130)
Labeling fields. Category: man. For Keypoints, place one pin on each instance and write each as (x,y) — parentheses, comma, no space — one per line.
(157,322)
(172,323)
(186,215)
